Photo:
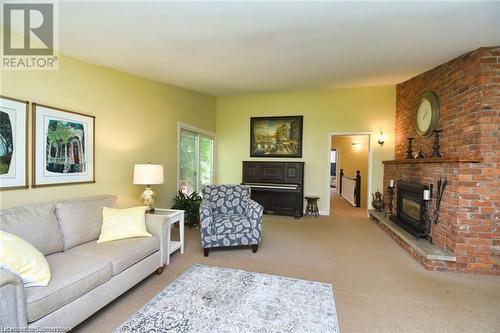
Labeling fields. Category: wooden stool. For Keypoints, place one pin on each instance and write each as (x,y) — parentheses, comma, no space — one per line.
(312,205)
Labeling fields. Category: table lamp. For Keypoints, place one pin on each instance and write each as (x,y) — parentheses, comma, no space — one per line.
(148,174)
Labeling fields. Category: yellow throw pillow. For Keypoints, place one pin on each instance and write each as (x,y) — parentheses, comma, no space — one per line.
(123,223)
(22,258)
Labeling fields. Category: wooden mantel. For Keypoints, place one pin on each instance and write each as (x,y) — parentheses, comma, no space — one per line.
(435,160)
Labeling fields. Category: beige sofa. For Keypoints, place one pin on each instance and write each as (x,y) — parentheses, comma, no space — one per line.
(85,275)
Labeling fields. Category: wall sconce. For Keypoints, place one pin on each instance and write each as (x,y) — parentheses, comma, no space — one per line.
(381,139)
(356,145)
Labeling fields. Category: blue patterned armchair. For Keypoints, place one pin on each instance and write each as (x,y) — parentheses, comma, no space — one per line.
(228,217)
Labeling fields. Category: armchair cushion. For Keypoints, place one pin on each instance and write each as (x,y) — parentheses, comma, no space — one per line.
(227,199)
(231,224)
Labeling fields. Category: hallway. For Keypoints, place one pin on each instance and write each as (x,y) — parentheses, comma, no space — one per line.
(349,164)
(341,208)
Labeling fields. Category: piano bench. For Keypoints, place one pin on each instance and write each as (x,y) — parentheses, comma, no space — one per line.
(312,205)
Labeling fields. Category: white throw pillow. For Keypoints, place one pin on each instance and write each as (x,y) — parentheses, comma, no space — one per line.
(22,258)
(123,223)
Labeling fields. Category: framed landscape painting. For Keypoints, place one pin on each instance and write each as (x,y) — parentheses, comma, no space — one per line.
(63,147)
(276,136)
(13,143)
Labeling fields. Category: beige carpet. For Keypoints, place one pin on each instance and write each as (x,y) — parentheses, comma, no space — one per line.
(378,287)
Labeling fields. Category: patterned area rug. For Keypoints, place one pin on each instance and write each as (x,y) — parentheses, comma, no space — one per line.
(212,299)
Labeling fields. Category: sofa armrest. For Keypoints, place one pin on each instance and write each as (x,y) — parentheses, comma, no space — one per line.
(12,301)
(159,226)
(205,223)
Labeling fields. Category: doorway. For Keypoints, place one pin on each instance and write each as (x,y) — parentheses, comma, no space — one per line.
(350,155)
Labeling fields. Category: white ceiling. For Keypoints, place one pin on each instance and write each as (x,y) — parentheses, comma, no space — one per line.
(229,48)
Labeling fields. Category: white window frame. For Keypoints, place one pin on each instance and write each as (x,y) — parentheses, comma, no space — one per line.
(200,131)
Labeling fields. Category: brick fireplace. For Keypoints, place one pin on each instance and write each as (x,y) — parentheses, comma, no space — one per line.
(468,90)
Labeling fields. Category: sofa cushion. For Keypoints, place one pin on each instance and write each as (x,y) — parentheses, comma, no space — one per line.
(121,253)
(81,219)
(37,224)
(231,224)
(72,277)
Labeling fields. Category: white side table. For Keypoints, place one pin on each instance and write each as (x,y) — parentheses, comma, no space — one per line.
(173,216)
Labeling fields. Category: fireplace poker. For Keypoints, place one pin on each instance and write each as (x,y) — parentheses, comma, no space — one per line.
(440,190)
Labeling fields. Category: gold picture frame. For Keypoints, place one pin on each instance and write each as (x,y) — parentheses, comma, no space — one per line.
(63,147)
(276,136)
(14,116)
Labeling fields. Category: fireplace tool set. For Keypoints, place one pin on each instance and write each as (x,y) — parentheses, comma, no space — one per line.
(427,196)
(440,190)
(427,199)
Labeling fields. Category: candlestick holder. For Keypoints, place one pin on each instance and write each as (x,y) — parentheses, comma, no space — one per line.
(390,194)
(435,146)
(427,220)
(409,152)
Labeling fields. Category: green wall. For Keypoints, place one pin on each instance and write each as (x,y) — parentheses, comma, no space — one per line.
(136,122)
(325,111)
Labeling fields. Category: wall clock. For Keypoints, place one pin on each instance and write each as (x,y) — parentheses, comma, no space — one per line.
(427,114)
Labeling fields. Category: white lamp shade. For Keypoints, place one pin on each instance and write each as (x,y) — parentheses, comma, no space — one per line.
(148,174)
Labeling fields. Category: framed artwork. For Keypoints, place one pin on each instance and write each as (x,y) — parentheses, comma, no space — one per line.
(63,147)
(13,143)
(276,136)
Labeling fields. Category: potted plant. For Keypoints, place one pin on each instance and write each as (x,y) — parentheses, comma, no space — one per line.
(190,204)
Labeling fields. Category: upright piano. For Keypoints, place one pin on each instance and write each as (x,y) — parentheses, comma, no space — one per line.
(278,186)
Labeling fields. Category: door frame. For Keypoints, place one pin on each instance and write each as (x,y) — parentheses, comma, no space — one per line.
(188,127)
(370,164)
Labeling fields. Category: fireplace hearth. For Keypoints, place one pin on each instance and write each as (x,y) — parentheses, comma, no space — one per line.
(411,209)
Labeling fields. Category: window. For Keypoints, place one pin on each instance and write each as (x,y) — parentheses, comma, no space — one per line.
(333,166)
(196,159)
(333,156)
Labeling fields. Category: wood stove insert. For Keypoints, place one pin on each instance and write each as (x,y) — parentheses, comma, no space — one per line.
(410,208)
